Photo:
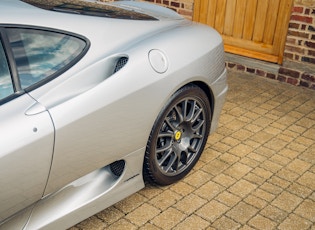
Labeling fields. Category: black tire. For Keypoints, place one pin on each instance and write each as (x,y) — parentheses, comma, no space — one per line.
(178,136)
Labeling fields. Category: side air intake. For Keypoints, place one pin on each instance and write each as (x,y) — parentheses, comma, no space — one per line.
(117,167)
(120,63)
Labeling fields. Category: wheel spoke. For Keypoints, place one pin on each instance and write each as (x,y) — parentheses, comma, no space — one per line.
(165,156)
(196,115)
(165,135)
(189,115)
(198,126)
(170,164)
(170,125)
(179,113)
(165,147)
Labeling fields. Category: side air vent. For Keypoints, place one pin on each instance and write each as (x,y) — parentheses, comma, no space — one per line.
(117,167)
(120,63)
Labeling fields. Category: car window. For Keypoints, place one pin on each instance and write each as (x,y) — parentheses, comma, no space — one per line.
(6,86)
(40,54)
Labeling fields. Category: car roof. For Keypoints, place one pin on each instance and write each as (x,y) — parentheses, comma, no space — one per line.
(90,8)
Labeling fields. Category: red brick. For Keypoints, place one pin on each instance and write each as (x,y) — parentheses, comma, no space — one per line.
(271,76)
(289,72)
(292,81)
(311,53)
(307,11)
(298,34)
(175,4)
(310,44)
(308,77)
(240,67)
(231,65)
(260,72)
(282,78)
(250,70)
(288,55)
(304,84)
(295,49)
(297,9)
(308,59)
(302,18)
(294,25)
(291,40)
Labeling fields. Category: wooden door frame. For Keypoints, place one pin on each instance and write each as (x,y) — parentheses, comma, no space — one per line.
(232,47)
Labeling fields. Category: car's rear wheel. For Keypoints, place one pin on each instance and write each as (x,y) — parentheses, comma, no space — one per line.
(178,136)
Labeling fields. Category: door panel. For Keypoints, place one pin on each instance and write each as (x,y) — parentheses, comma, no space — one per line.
(26,145)
(253,28)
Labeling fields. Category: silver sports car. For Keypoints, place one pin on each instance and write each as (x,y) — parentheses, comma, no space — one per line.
(95,100)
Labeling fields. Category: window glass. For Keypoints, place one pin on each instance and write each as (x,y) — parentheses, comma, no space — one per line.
(6,86)
(39,54)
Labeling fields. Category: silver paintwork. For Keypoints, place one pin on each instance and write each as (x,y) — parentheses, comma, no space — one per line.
(57,141)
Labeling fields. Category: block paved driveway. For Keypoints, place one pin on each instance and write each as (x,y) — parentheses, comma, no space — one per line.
(257,171)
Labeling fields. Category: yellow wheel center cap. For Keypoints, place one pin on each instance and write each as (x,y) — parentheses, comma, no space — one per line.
(178,135)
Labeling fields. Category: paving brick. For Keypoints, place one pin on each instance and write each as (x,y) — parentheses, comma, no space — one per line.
(121,225)
(279,182)
(262,172)
(190,204)
(227,198)
(294,222)
(251,177)
(241,150)
(212,210)
(299,190)
(197,178)
(287,175)
(279,159)
(242,188)
(271,188)
(134,201)
(298,166)
(242,212)
(92,223)
(215,167)
(224,180)
(192,222)
(110,215)
(147,226)
(165,199)
(249,162)
(255,201)
(260,222)
(209,190)
(226,223)
(182,188)
(238,170)
(271,166)
(142,214)
(287,201)
(229,158)
(307,210)
(307,180)
(274,213)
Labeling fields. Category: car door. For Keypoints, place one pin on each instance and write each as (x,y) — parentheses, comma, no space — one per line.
(26,140)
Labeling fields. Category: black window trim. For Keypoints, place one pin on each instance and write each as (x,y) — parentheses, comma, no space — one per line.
(12,68)
(12,64)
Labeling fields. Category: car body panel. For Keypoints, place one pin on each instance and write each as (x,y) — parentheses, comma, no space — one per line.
(25,156)
(93,116)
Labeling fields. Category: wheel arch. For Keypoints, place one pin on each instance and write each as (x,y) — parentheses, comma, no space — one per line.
(207,90)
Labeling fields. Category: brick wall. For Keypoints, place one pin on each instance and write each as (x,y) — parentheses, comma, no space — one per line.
(183,7)
(299,54)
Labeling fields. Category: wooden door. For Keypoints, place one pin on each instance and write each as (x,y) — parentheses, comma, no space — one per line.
(252,28)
